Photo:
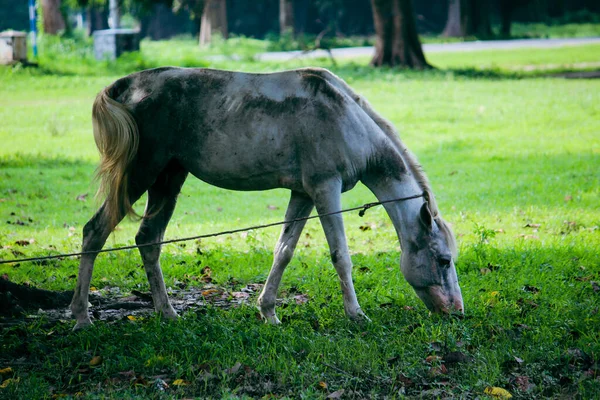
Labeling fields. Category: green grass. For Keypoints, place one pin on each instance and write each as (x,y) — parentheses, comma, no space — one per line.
(505,152)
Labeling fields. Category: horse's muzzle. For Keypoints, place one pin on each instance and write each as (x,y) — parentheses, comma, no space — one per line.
(442,300)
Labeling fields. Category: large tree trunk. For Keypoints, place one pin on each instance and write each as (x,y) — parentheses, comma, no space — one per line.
(455,26)
(507,8)
(214,19)
(286,16)
(53,19)
(397,42)
(477,15)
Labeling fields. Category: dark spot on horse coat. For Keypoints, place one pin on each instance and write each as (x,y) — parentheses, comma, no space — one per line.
(334,256)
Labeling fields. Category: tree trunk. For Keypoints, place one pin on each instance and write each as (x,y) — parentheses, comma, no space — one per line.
(455,26)
(397,42)
(97,18)
(506,12)
(286,16)
(53,19)
(477,18)
(214,19)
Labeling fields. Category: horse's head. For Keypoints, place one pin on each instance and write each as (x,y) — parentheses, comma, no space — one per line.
(428,263)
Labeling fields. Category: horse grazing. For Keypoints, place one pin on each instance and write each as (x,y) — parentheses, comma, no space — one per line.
(304,130)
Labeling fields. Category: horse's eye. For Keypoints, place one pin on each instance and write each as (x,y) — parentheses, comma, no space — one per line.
(445,261)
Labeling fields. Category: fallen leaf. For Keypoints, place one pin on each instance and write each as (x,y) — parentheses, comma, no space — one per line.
(160,385)
(210,292)
(301,298)
(436,371)
(95,361)
(323,385)
(393,360)
(568,198)
(240,295)
(519,360)
(131,318)
(180,382)
(127,374)
(535,226)
(6,370)
(497,392)
(432,359)
(522,383)
(337,394)
(532,289)
(140,381)
(234,370)
(455,357)
(8,382)
(82,197)
(270,207)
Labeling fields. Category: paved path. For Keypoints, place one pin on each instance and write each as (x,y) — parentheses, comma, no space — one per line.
(435,48)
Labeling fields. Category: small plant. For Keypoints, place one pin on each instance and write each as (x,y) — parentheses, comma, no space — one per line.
(484,235)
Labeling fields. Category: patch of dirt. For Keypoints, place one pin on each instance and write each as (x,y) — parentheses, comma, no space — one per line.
(20,302)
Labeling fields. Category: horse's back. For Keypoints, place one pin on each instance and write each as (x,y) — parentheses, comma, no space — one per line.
(250,131)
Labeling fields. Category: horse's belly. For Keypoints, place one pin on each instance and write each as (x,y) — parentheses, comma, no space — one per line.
(235,175)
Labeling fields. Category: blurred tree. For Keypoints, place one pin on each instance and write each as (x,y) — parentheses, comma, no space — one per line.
(455,24)
(286,16)
(397,41)
(468,18)
(214,20)
(52,17)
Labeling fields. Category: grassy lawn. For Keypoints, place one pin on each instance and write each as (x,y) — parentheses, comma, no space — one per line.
(513,159)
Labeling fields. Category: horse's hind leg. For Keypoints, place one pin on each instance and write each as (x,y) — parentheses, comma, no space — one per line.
(327,198)
(162,197)
(95,233)
(299,206)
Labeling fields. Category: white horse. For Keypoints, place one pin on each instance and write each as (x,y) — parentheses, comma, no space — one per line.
(304,130)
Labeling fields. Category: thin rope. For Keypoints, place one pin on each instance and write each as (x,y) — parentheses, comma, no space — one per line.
(361,213)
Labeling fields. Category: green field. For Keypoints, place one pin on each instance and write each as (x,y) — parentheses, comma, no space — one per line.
(514,160)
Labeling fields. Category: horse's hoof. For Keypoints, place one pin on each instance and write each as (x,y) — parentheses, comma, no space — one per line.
(81,325)
(360,317)
(170,314)
(272,320)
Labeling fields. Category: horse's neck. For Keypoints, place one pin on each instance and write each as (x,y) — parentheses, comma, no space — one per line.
(404,213)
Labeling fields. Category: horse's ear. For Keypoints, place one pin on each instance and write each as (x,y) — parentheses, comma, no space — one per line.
(425,215)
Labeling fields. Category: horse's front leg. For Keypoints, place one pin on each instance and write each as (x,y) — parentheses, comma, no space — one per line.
(327,198)
(299,206)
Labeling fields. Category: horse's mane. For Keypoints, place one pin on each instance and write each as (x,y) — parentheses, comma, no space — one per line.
(409,158)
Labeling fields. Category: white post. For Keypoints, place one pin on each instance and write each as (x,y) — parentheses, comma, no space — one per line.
(114,16)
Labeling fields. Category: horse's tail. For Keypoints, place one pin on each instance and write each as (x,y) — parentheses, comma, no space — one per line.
(117,137)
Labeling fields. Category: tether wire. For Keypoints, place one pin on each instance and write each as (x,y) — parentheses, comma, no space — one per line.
(361,213)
